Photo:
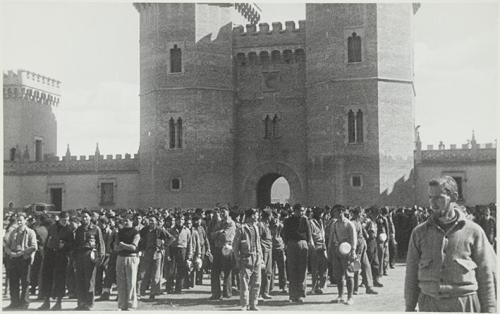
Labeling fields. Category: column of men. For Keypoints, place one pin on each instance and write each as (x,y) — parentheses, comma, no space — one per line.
(86,254)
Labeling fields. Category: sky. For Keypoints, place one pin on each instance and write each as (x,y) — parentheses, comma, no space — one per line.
(93,48)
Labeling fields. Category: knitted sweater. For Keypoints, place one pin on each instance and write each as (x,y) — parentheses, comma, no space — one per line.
(450,263)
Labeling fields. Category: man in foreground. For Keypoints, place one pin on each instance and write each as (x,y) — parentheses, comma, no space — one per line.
(451,265)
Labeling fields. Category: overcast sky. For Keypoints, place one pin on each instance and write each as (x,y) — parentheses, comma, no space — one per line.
(93,49)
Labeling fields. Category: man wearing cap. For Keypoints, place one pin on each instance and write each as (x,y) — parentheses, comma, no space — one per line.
(59,244)
(248,254)
(276,227)
(204,246)
(21,246)
(297,236)
(89,251)
(451,266)
(223,234)
(341,251)
(318,258)
(153,237)
(181,251)
(266,242)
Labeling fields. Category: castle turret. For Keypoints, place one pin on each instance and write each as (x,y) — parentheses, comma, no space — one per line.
(29,99)
(360,102)
(186,104)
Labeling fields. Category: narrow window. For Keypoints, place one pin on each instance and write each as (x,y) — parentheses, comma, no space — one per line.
(287,56)
(275,126)
(241,59)
(267,121)
(359,126)
(107,193)
(351,131)
(171,128)
(356,181)
(12,154)
(175,184)
(179,133)
(458,180)
(354,48)
(38,150)
(175,60)
(264,57)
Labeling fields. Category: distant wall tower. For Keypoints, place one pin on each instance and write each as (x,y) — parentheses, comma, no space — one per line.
(360,103)
(30,132)
(186,104)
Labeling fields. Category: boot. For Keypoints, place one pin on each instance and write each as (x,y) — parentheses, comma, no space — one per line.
(104,296)
(57,306)
(45,305)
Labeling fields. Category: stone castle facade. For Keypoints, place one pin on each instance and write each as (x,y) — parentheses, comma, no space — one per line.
(224,111)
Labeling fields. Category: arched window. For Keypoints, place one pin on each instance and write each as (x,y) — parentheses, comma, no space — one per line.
(264,57)
(300,55)
(354,48)
(287,56)
(171,132)
(275,56)
(359,126)
(175,60)
(351,130)
(12,154)
(241,59)
(252,58)
(267,127)
(179,133)
(275,126)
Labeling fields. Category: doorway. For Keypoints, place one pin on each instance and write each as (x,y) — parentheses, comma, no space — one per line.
(56,198)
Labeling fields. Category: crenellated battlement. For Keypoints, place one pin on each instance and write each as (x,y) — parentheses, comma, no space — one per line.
(265,36)
(73,164)
(469,152)
(31,86)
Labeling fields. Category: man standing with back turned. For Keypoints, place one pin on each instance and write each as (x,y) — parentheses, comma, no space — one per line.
(451,266)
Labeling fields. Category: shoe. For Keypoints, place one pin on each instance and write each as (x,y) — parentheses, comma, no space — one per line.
(103,297)
(292,300)
(377,284)
(45,306)
(56,307)
(311,292)
(244,308)
(300,300)
(10,307)
(339,300)
(371,291)
(349,301)
(361,285)
(152,297)
(355,292)
(318,291)
(284,291)
(385,273)
(254,308)
(391,266)
(266,297)
(78,308)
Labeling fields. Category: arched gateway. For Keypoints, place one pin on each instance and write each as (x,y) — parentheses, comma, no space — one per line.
(257,184)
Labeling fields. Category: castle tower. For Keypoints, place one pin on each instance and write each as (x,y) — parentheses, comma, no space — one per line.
(186,104)
(360,103)
(28,101)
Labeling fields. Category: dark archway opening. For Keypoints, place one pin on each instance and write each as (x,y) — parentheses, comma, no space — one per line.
(272,188)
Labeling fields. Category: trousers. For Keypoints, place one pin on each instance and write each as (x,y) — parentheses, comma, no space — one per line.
(468,303)
(319,268)
(221,264)
(181,269)
(279,263)
(250,279)
(126,277)
(267,271)
(366,271)
(151,273)
(54,274)
(85,271)
(19,274)
(297,268)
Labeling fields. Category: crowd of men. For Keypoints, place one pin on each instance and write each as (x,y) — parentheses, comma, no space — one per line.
(84,253)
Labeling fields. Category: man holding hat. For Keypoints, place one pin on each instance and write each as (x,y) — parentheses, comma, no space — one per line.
(342,251)
(248,254)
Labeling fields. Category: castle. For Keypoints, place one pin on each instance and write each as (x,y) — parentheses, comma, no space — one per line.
(225,111)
